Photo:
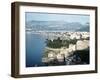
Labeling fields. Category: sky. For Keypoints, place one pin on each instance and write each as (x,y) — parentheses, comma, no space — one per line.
(29,16)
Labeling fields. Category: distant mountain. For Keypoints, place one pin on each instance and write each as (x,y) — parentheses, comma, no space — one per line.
(85,28)
(55,25)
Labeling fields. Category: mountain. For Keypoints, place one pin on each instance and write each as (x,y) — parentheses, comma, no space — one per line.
(85,28)
(55,26)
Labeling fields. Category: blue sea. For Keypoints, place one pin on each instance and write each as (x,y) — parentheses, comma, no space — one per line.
(35,44)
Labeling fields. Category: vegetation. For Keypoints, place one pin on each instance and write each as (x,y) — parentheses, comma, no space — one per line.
(58,43)
(84,55)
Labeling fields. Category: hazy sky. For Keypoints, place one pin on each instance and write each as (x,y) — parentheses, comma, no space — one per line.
(29,16)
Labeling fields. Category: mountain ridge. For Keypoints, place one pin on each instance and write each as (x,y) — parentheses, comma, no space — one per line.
(57,25)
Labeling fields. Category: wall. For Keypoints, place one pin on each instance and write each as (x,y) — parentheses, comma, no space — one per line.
(5,40)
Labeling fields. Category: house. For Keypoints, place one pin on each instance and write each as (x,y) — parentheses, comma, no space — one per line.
(82,44)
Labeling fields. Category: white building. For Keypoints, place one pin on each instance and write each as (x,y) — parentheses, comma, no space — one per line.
(82,44)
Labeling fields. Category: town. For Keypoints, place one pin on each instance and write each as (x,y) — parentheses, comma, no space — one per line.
(62,46)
